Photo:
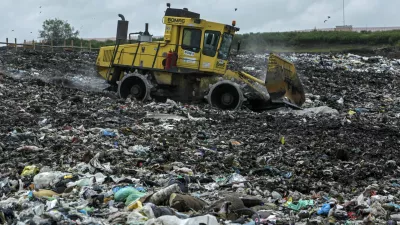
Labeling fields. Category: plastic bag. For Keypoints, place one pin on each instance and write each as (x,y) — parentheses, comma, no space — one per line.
(95,164)
(173,220)
(30,170)
(301,204)
(139,150)
(134,197)
(135,218)
(163,194)
(324,210)
(236,178)
(109,133)
(127,194)
(135,205)
(47,179)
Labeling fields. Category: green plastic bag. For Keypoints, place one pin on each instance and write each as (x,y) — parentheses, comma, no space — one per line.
(301,204)
(127,193)
(133,197)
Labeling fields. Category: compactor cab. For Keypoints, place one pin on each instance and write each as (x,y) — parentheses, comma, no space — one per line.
(188,65)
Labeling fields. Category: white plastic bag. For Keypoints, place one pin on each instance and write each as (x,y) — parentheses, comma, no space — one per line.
(173,220)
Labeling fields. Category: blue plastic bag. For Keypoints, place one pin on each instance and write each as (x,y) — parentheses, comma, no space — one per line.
(324,210)
(108,133)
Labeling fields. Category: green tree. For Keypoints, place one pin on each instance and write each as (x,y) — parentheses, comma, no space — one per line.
(58,31)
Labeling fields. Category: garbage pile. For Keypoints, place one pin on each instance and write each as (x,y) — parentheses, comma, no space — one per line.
(71,156)
(350,62)
(65,69)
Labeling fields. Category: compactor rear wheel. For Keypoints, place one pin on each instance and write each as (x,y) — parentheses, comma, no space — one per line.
(225,95)
(135,85)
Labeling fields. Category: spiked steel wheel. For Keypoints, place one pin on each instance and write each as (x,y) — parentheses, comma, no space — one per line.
(225,95)
(135,85)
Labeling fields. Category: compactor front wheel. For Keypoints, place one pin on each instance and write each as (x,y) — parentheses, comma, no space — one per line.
(135,85)
(225,95)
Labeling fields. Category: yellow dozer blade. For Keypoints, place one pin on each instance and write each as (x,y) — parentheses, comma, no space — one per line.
(281,81)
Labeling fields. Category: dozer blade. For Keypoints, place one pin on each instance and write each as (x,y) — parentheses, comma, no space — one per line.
(282,80)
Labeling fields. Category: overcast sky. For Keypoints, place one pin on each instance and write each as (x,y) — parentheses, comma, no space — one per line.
(98,18)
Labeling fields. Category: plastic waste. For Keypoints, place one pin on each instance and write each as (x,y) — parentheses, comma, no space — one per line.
(184,170)
(397,206)
(135,205)
(95,163)
(100,178)
(276,196)
(395,217)
(324,210)
(138,151)
(378,210)
(351,112)
(282,140)
(173,220)
(250,223)
(211,186)
(123,193)
(30,148)
(29,171)
(136,218)
(44,193)
(164,194)
(340,214)
(134,196)
(301,204)
(38,210)
(128,194)
(51,204)
(109,133)
(87,181)
(236,178)
(153,211)
(47,179)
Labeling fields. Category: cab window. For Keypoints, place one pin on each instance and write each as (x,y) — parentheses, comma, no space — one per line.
(223,52)
(211,39)
(191,39)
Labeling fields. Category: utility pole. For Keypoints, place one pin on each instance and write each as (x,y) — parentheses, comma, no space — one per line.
(344,22)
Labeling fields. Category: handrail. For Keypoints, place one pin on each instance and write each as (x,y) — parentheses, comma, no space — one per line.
(156,55)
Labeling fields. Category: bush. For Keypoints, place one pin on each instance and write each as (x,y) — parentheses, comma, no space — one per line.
(293,39)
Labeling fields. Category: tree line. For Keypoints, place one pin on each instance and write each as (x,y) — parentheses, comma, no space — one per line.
(300,39)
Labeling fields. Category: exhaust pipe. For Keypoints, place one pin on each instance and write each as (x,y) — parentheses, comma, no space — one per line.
(122,17)
(122,29)
(146,30)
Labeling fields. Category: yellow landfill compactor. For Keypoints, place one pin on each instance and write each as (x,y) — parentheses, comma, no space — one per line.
(190,66)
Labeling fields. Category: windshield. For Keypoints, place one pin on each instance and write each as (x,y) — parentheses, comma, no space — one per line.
(223,52)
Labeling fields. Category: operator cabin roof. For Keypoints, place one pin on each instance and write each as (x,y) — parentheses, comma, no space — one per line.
(187,14)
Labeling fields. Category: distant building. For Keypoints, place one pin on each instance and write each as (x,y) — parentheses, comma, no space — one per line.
(351,28)
(344,28)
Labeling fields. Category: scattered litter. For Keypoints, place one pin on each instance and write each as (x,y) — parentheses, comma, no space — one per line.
(76,155)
